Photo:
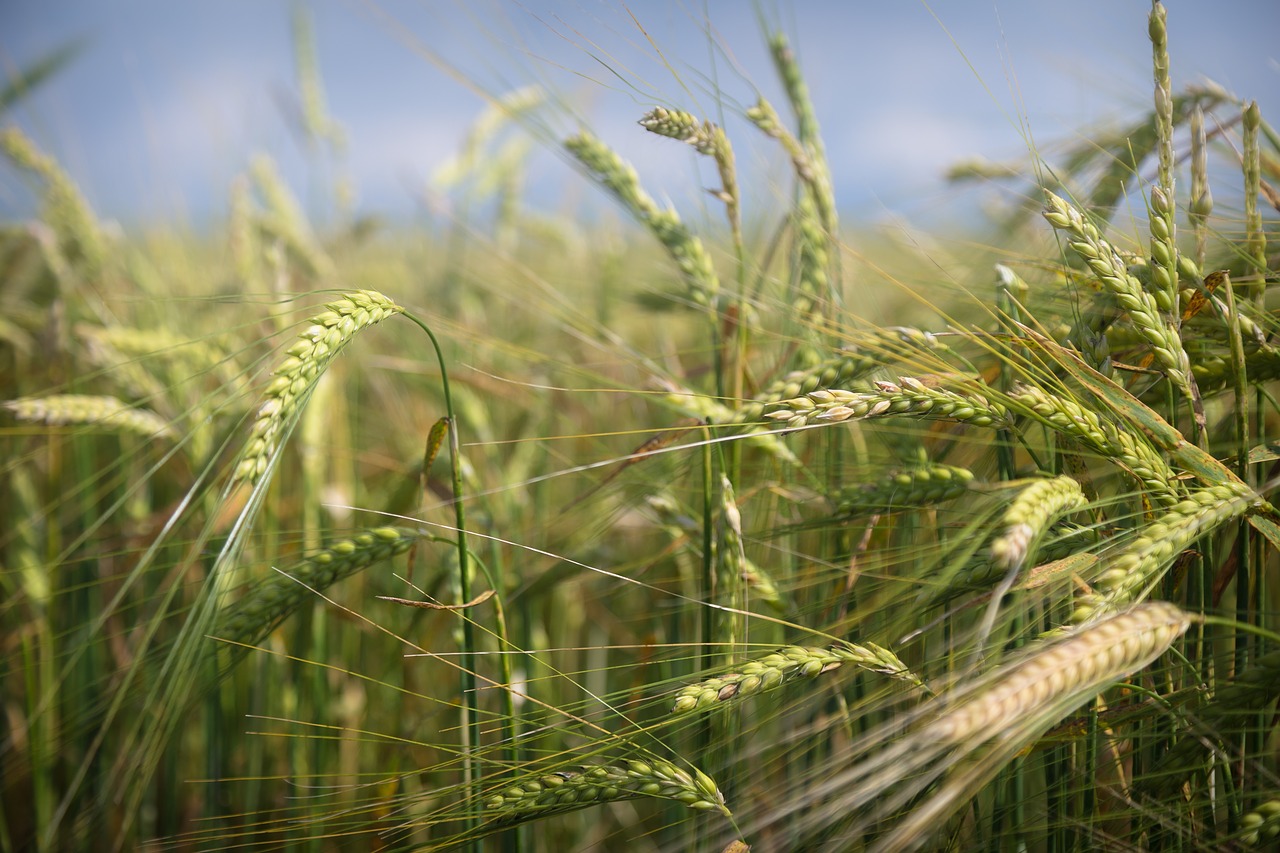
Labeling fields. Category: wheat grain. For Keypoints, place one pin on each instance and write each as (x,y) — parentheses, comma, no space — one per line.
(295,377)
(1262,824)
(784,666)
(82,410)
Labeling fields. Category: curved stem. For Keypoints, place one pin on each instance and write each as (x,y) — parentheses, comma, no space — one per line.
(467,669)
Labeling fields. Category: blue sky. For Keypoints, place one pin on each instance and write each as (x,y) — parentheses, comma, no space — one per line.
(169,100)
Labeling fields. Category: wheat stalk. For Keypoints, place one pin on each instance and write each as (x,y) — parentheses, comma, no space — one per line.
(1249,691)
(294,379)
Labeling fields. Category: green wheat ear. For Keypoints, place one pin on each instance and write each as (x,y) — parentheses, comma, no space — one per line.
(294,379)
(79,237)
(621,180)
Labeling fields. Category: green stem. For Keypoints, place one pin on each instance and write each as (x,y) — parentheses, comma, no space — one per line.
(467,664)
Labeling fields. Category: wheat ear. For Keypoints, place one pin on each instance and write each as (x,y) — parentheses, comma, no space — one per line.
(1138,564)
(1255,236)
(785,666)
(909,397)
(912,487)
(1111,271)
(1030,514)
(565,790)
(1029,696)
(82,410)
(295,377)
(706,138)
(807,132)
(80,240)
(284,221)
(1200,205)
(620,179)
(1164,249)
(1101,436)
(976,729)
(1078,666)
(266,603)
(853,362)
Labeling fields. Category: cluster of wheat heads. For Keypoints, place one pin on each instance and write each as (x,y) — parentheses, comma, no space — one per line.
(1026,512)
(953,585)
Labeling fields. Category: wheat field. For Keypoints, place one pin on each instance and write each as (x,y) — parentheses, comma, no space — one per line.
(532,535)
